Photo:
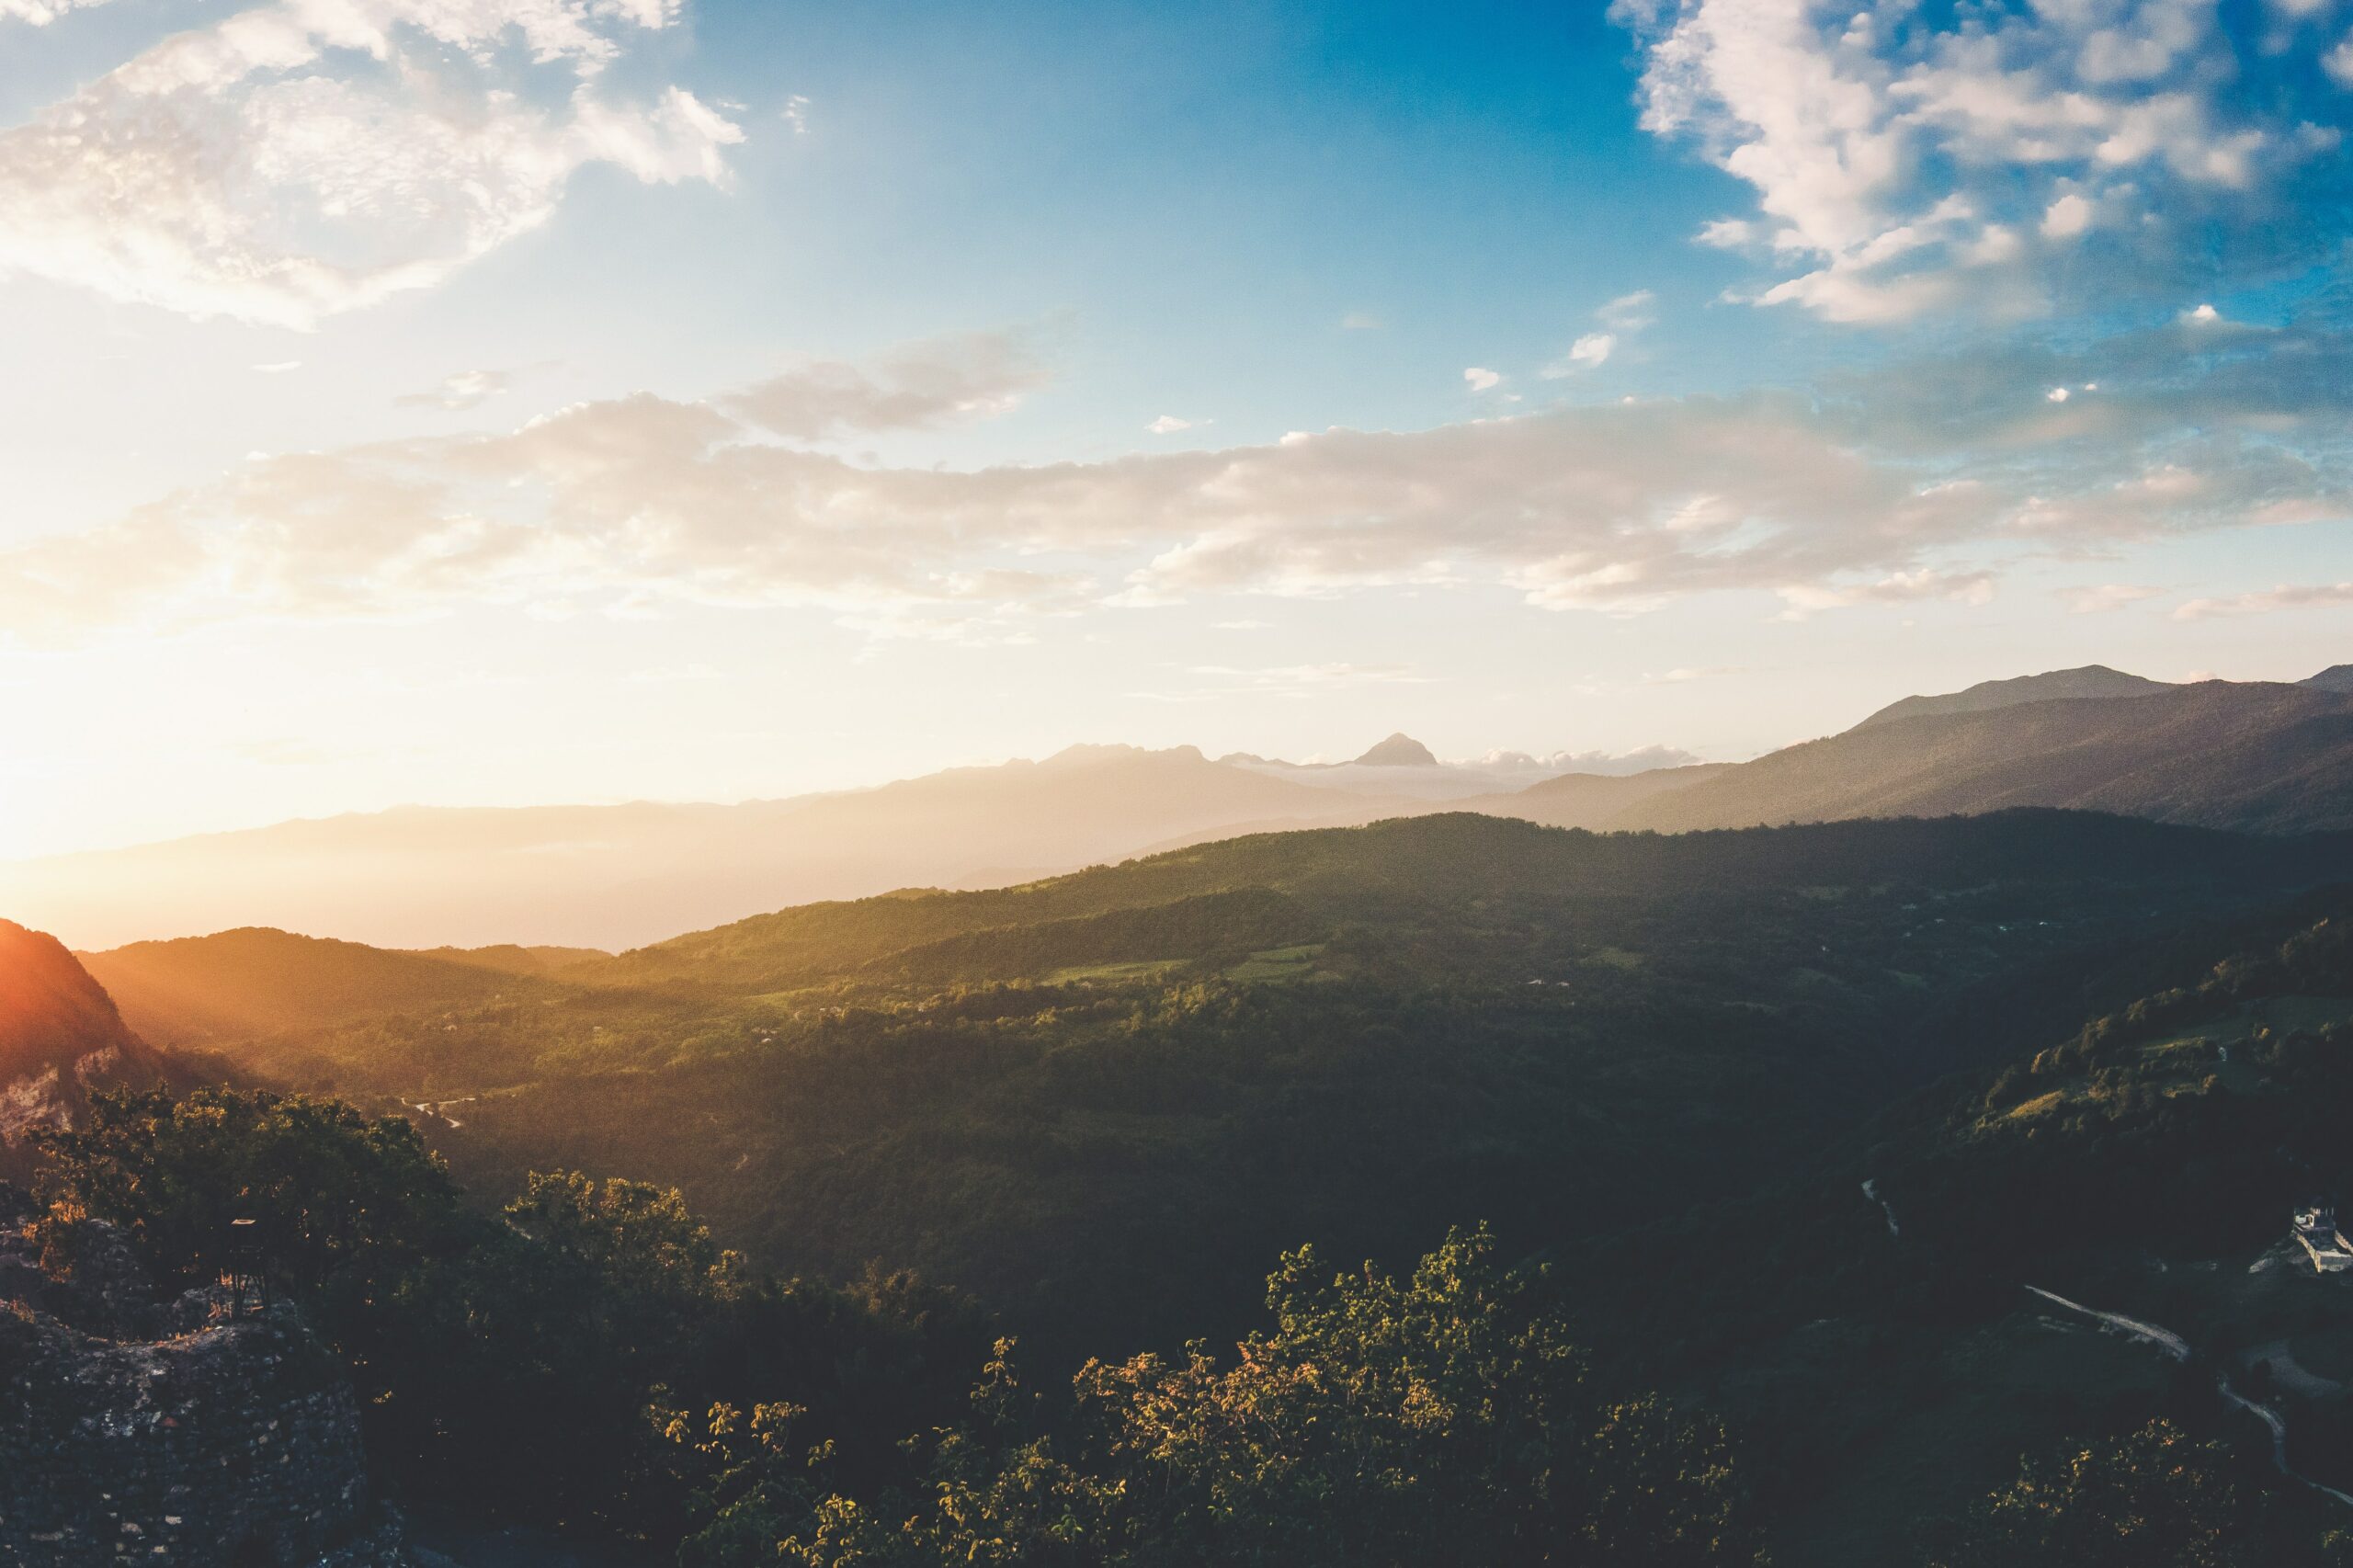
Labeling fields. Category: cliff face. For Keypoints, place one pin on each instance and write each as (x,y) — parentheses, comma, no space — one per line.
(133,1430)
(59,1036)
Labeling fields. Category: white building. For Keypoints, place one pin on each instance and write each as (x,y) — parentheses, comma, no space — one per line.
(2315,1228)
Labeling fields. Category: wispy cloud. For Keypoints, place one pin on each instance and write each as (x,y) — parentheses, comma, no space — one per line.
(1479,379)
(1618,320)
(2287,596)
(466,389)
(918,386)
(2102,598)
(1897,486)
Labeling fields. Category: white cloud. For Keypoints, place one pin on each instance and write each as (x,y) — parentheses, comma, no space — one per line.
(1895,588)
(1628,313)
(1907,160)
(1479,380)
(1168,425)
(917,386)
(40,13)
(796,114)
(2067,216)
(298,159)
(278,366)
(1621,319)
(466,389)
(2287,596)
(1893,487)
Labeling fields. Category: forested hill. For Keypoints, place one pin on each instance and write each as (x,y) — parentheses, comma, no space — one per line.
(236,984)
(1401,871)
(1101,1103)
(1055,1095)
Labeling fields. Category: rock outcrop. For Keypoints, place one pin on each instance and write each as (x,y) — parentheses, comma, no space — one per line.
(60,1037)
(134,1430)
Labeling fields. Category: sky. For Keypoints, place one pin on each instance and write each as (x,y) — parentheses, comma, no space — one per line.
(509,402)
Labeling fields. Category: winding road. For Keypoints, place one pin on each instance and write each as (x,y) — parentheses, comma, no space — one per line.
(2177,1349)
(2173,1345)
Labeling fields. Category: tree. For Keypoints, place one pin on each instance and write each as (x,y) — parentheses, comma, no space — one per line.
(1447,1418)
(2154,1498)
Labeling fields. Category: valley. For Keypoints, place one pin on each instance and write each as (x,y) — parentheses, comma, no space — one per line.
(1851,1134)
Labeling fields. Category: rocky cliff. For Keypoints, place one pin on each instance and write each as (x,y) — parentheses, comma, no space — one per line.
(167,1432)
(60,1037)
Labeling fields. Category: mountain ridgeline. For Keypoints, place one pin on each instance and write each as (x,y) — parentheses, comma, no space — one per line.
(2254,757)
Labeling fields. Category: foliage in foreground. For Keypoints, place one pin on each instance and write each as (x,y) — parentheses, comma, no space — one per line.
(1446,1417)
(511,1360)
(504,1363)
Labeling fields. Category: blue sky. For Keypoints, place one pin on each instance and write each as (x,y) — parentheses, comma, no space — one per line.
(512,400)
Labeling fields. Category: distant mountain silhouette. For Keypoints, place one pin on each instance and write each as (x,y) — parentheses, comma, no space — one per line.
(1399,750)
(2336,678)
(2090,681)
(59,1036)
(2260,757)
(1593,800)
(524,893)
(613,877)
(196,990)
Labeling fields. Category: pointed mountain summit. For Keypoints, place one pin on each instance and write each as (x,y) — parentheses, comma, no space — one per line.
(1399,750)
(2090,681)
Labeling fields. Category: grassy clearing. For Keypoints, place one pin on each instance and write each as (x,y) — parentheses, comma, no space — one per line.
(1278,964)
(1113,973)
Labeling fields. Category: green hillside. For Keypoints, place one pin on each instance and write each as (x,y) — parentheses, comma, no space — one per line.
(1663,1065)
(1043,1093)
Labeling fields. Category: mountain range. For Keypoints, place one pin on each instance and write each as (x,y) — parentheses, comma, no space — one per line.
(2262,756)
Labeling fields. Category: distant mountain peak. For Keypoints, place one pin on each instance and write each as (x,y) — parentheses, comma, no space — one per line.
(1399,750)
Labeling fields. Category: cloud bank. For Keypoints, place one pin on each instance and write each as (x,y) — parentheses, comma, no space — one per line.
(1915,480)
